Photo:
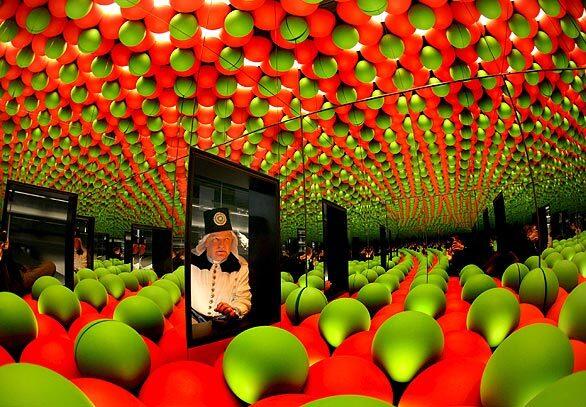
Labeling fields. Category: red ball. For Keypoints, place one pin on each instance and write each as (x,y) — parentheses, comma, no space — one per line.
(385,313)
(453,321)
(450,382)
(458,344)
(49,326)
(358,345)
(155,352)
(80,322)
(53,352)
(5,357)
(579,349)
(554,312)
(106,394)
(317,349)
(186,383)
(347,375)
(529,313)
(173,345)
(284,400)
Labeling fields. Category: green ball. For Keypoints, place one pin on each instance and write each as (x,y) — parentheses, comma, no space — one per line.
(397,273)
(476,285)
(76,9)
(493,315)
(426,298)
(553,258)
(513,275)
(426,278)
(84,273)
(567,391)
(294,29)
(132,33)
(175,280)
(304,302)
(524,364)
(568,253)
(421,16)
(311,281)
(469,271)
(141,314)
(458,35)
(183,26)
(372,7)
(287,288)
(374,296)
(107,263)
(286,277)
(345,36)
(532,262)
(342,318)
(580,261)
(114,285)
(60,303)
(567,274)
(356,282)
(171,288)
(38,20)
(347,401)
(370,275)
(25,384)
(111,350)
(265,360)
(430,57)
(572,318)
(325,67)
(101,272)
(159,296)
(440,272)
(238,23)
(142,276)
(540,288)
(18,325)
(380,270)
(407,342)
(92,292)
(130,281)
(41,283)
(182,60)
(89,40)
(389,280)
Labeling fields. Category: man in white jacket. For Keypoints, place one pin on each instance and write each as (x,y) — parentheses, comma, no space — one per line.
(219,276)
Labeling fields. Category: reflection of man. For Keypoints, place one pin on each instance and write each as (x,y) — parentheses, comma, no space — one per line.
(219,276)
(16,277)
(80,252)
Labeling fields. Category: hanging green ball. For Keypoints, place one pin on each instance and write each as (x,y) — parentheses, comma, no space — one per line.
(294,29)
(513,275)
(183,26)
(141,314)
(540,288)
(50,388)
(572,319)
(76,9)
(263,360)
(345,36)
(458,35)
(520,369)
(405,343)
(304,302)
(132,33)
(325,67)
(182,60)
(421,16)
(60,303)
(139,64)
(374,296)
(341,318)
(391,46)
(426,298)
(494,314)
(111,350)
(238,23)
(38,20)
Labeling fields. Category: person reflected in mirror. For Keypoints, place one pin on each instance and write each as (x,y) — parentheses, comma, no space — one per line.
(79,252)
(16,277)
(220,289)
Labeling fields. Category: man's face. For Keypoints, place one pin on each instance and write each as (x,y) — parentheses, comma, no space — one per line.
(218,245)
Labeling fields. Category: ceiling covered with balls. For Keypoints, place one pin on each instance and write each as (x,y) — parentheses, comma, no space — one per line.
(413,114)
